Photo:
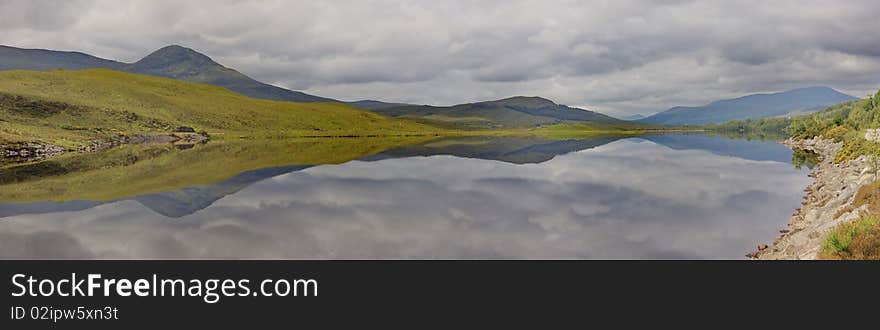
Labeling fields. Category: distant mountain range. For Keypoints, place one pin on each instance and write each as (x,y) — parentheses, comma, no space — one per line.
(181,63)
(185,64)
(797,101)
(510,112)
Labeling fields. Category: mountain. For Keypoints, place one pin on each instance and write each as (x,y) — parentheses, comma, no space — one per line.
(173,61)
(633,117)
(177,62)
(181,63)
(373,104)
(12,58)
(803,100)
(517,111)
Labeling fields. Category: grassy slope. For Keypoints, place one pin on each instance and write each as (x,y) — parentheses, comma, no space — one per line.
(115,100)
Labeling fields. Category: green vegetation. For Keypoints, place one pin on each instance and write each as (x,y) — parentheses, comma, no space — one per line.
(759,129)
(809,126)
(858,240)
(845,123)
(763,129)
(70,107)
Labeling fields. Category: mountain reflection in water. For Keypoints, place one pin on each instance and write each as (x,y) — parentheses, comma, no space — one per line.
(666,196)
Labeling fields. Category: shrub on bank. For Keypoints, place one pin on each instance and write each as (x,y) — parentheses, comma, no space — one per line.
(854,145)
(837,134)
(858,240)
(869,195)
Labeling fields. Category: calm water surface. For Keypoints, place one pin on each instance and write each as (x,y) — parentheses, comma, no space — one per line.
(669,196)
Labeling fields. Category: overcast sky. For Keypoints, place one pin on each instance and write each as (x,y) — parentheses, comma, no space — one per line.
(618,57)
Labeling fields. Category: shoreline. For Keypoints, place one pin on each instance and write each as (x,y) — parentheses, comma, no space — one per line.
(39,151)
(827,203)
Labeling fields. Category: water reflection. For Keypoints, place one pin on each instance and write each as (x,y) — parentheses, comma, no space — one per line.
(474,198)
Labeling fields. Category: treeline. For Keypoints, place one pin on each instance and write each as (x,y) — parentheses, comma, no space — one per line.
(845,122)
(753,129)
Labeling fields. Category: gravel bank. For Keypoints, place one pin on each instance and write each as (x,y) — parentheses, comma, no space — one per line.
(824,206)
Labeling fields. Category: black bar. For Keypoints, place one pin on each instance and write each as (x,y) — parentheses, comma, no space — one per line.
(445,291)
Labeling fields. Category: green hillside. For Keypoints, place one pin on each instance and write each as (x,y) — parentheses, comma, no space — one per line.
(507,113)
(69,107)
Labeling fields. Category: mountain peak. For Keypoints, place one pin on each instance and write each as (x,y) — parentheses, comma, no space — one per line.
(813,88)
(173,55)
(525,102)
(175,50)
(818,90)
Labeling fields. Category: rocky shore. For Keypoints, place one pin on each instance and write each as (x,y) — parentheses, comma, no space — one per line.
(32,151)
(828,203)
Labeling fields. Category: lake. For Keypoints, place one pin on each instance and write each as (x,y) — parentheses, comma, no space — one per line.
(651,197)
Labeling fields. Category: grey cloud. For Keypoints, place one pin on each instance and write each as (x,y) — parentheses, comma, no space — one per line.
(39,15)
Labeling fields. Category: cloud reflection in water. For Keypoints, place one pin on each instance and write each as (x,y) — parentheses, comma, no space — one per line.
(627,199)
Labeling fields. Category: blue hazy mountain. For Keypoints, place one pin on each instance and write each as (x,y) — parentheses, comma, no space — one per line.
(797,101)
